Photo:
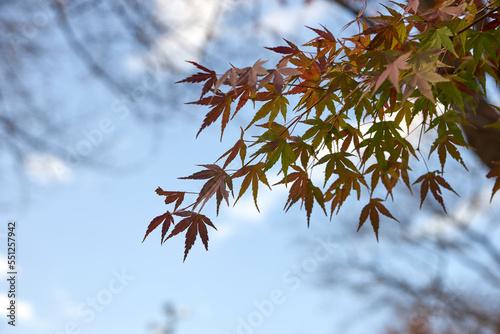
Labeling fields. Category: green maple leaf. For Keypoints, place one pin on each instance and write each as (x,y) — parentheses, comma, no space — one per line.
(253,174)
(424,78)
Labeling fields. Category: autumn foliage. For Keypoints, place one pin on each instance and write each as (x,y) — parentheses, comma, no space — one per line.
(408,72)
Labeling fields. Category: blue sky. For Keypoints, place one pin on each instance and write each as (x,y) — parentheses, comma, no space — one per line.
(74,238)
(82,265)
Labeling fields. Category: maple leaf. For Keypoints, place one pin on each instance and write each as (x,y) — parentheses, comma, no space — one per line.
(166,219)
(279,76)
(302,149)
(284,50)
(338,195)
(375,29)
(444,34)
(320,131)
(221,105)
(433,182)
(341,188)
(230,76)
(423,79)
(449,122)
(240,147)
(249,75)
(389,176)
(444,144)
(495,172)
(492,25)
(385,32)
(358,17)
(325,33)
(463,88)
(446,11)
(209,76)
(337,162)
(277,104)
(372,209)
(276,146)
(195,223)
(414,51)
(392,71)
(172,196)
(253,174)
(303,189)
(325,39)
(412,5)
(217,182)
(424,57)
(245,93)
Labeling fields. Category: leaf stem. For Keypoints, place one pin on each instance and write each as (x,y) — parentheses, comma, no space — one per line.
(482,17)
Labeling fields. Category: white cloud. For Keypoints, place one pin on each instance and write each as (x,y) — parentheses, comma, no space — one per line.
(225,230)
(25,314)
(244,213)
(283,20)
(25,311)
(245,210)
(189,23)
(46,168)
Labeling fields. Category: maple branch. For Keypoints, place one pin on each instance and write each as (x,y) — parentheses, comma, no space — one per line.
(303,86)
(185,208)
(334,86)
(423,159)
(482,17)
(295,121)
(299,117)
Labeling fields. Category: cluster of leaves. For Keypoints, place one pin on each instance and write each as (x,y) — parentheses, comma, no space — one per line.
(359,98)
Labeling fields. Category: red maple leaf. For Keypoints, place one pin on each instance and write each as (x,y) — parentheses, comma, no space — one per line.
(166,219)
(495,172)
(303,189)
(195,224)
(284,50)
(221,105)
(392,71)
(279,76)
(412,5)
(240,147)
(209,76)
(217,182)
(433,182)
(249,75)
(372,210)
(172,196)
